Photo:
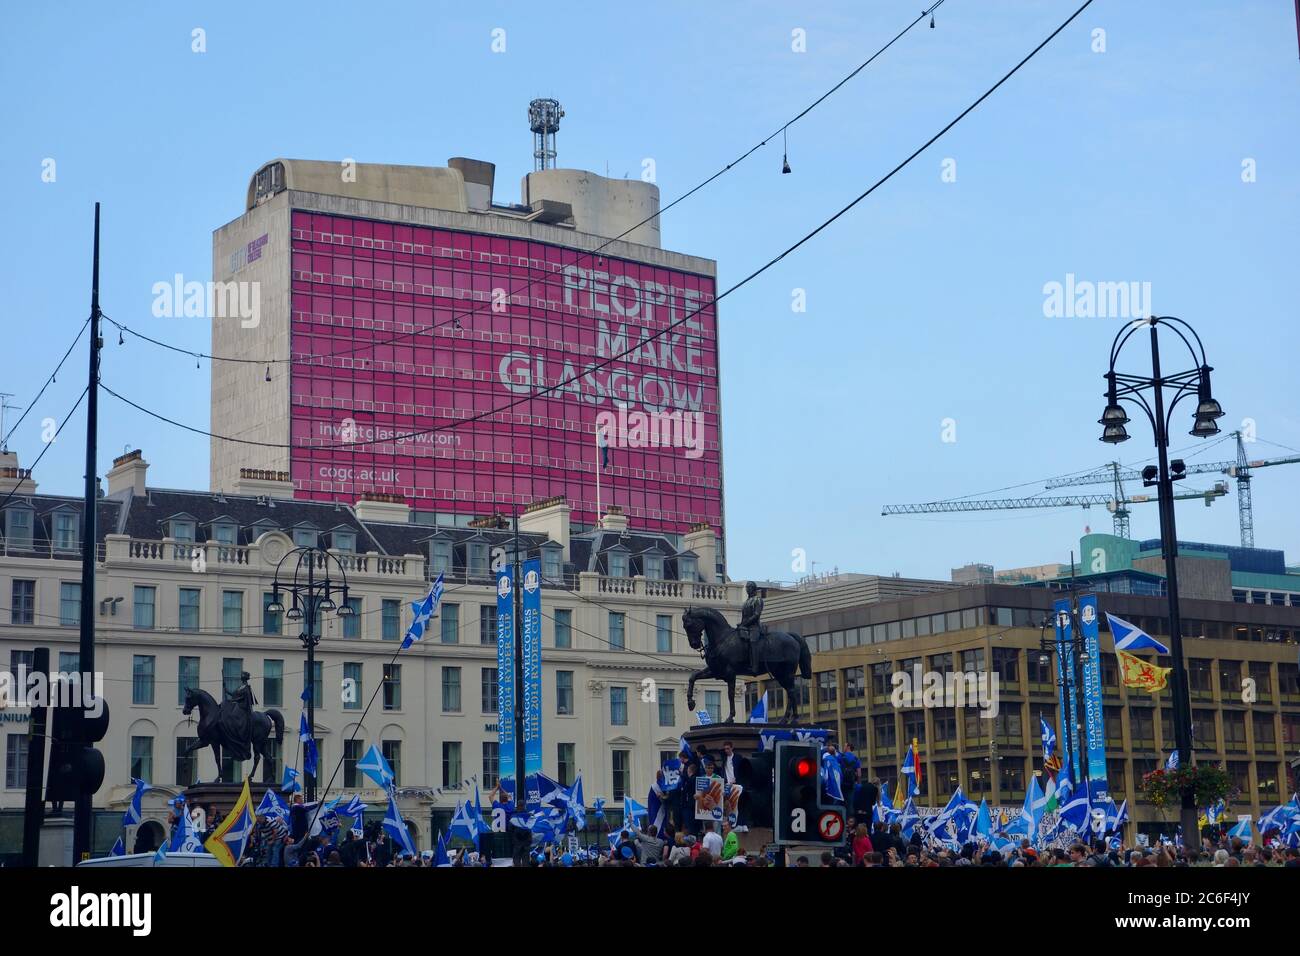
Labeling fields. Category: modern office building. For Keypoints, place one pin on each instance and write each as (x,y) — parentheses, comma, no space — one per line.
(416,337)
(182,584)
(996,629)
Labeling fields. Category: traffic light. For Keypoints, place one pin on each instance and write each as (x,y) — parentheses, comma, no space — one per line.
(756,800)
(76,768)
(798,813)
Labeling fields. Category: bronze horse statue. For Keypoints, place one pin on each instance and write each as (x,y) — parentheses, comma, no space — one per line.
(783,654)
(213,734)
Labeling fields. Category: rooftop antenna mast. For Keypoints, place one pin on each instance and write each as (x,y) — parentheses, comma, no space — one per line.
(5,407)
(544,120)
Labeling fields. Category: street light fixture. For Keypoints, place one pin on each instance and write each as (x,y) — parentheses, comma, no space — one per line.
(312,597)
(1123,387)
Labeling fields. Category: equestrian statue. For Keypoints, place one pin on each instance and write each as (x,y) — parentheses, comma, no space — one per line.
(747,650)
(232,728)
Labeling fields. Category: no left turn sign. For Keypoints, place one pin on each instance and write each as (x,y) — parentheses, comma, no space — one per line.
(830,825)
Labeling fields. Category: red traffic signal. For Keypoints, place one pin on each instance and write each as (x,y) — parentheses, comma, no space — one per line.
(801,768)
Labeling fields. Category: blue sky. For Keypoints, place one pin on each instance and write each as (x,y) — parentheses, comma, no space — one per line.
(925,303)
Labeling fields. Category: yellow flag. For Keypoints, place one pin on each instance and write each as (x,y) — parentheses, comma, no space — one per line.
(1142,675)
(229,839)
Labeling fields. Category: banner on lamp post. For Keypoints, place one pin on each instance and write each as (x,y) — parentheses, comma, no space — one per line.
(532,678)
(506,683)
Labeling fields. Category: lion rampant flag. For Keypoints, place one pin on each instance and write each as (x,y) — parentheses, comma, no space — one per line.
(231,837)
(1142,675)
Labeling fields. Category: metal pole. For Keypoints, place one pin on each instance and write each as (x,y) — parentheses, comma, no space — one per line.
(34,805)
(1169,548)
(82,807)
(309,681)
(521,794)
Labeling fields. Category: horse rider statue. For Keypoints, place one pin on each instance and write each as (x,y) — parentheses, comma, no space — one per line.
(236,718)
(750,627)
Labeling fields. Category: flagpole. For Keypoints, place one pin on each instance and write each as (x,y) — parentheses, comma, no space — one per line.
(599,513)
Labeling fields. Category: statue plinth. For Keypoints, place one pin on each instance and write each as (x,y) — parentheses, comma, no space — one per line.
(222,797)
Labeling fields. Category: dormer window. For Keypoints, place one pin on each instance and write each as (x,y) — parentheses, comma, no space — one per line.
(65,531)
(654,567)
(181,529)
(18,526)
(305,537)
(439,556)
(477,556)
(225,532)
(686,567)
(552,569)
(618,564)
(344,541)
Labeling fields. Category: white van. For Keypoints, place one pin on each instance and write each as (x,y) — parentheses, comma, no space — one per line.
(148,859)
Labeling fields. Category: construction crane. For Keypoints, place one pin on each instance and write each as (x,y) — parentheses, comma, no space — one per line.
(1240,469)
(1116,505)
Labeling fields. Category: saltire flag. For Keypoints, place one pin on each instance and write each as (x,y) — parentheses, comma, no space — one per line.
(911,770)
(1051,762)
(574,806)
(395,826)
(462,823)
(1121,816)
(228,841)
(1280,816)
(421,612)
(1058,791)
(1074,806)
(272,805)
(185,836)
(957,804)
(119,848)
(1242,830)
(632,810)
(704,717)
(656,809)
(832,778)
(983,820)
(1142,675)
(759,714)
(1172,762)
(440,858)
(374,766)
(684,748)
(908,818)
(132,814)
(161,854)
(290,782)
(310,755)
(1130,637)
(551,793)
(1035,802)
(479,823)
(354,811)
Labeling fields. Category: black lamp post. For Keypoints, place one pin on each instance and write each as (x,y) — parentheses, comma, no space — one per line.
(309,596)
(1122,387)
(1070,652)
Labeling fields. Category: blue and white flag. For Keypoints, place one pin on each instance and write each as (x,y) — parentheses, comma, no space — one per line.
(185,836)
(290,782)
(395,827)
(132,814)
(831,774)
(671,772)
(909,770)
(1049,740)
(1172,762)
(684,748)
(550,792)
(575,807)
(908,818)
(421,612)
(1035,805)
(1073,802)
(657,809)
(759,714)
(1130,637)
(704,717)
(374,766)
(354,811)
(272,806)
(632,810)
(983,827)
(1280,817)
(440,857)
(310,756)
(161,854)
(119,848)
(1242,830)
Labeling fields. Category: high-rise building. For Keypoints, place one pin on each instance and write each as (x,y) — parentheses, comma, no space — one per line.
(394,325)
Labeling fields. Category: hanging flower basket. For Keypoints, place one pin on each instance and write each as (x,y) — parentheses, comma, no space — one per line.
(1208,782)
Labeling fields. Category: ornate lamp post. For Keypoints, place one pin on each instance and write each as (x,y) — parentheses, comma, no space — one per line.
(1123,387)
(310,595)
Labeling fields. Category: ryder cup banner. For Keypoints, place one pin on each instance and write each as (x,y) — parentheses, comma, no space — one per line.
(506,681)
(1093,718)
(532,678)
(1069,711)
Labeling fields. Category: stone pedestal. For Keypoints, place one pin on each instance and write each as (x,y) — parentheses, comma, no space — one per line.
(55,846)
(221,797)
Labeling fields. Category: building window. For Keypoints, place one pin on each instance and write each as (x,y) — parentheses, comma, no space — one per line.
(487,624)
(18,527)
(16,761)
(144,613)
(65,531)
(488,689)
(451,690)
(392,751)
(667,710)
(391,627)
(142,681)
(351,754)
(826,688)
(491,763)
(142,758)
(881,680)
(232,611)
(654,567)
(854,686)
(439,558)
(189,609)
(566,763)
(1265,732)
(187,764)
(1234,731)
(22,607)
(352,685)
(1230,678)
(69,604)
(618,706)
(885,734)
(451,778)
(551,564)
(392,687)
(1262,675)
(617,564)
(686,568)
(713,704)
(563,627)
(476,553)
(621,763)
(271,623)
(664,633)
(305,537)
(69,662)
(273,683)
(945,729)
(317,685)
(352,622)
(187,677)
(449,627)
(345,541)
(616,637)
(564,693)
(224,533)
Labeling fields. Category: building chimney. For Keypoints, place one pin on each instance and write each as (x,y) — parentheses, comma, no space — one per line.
(614,519)
(377,506)
(549,517)
(704,543)
(261,481)
(128,473)
(14,480)
(479,177)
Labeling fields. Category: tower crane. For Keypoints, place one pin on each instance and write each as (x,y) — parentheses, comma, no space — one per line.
(1240,469)
(1117,506)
